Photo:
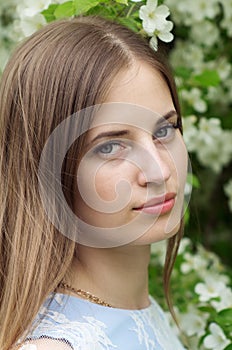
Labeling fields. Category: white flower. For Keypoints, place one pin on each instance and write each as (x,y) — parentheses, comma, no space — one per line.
(155,23)
(190,132)
(216,156)
(4,55)
(227,6)
(217,339)
(188,54)
(221,65)
(227,95)
(225,300)
(192,262)
(210,30)
(30,8)
(213,144)
(165,34)
(210,129)
(201,9)
(228,192)
(31,24)
(153,16)
(216,94)
(184,244)
(226,24)
(212,260)
(193,322)
(212,288)
(193,97)
(159,249)
(188,12)
(193,343)
(227,12)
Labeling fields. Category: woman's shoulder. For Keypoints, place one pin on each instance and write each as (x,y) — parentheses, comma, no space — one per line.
(71,321)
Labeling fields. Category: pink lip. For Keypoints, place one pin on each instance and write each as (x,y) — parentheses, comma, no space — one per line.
(158,205)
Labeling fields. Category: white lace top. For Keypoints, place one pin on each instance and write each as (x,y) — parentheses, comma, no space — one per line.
(81,325)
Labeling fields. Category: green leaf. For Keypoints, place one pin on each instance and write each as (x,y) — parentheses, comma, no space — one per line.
(130,23)
(224,317)
(49,13)
(207,78)
(186,216)
(207,309)
(102,10)
(64,10)
(124,2)
(192,179)
(82,6)
(183,72)
(229,347)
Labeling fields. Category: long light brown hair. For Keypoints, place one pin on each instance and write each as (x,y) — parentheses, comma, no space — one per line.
(66,66)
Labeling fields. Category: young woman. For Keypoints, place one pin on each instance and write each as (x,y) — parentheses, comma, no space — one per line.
(93,169)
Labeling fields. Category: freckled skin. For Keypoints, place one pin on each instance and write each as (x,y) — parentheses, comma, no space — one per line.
(139,169)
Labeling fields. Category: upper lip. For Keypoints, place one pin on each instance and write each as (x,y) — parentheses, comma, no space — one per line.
(157,200)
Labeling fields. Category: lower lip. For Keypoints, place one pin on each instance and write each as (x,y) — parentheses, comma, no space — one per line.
(159,209)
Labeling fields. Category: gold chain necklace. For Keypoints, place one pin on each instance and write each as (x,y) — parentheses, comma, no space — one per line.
(83,293)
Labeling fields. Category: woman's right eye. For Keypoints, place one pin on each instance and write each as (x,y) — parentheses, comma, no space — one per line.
(109,149)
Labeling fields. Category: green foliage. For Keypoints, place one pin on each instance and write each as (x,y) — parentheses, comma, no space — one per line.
(124,2)
(49,13)
(207,78)
(83,6)
(224,319)
(193,266)
(229,347)
(193,180)
(67,9)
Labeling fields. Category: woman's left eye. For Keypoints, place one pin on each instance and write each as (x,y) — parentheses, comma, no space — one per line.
(165,132)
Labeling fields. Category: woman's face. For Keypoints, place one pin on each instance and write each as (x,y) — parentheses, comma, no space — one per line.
(131,178)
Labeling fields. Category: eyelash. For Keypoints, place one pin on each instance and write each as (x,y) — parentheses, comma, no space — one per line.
(171,126)
(98,149)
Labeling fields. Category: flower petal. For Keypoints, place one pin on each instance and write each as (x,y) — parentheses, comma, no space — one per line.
(160,23)
(154,43)
(163,11)
(149,25)
(152,4)
(168,26)
(166,36)
(143,12)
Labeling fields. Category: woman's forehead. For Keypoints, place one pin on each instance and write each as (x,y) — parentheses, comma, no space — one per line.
(143,85)
(129,115)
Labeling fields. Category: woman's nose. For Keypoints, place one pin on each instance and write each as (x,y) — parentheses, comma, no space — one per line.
(154,164)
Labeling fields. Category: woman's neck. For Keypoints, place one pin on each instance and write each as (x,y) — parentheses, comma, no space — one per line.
(119,276)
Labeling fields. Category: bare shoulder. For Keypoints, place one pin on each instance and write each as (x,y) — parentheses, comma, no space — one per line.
(45,344)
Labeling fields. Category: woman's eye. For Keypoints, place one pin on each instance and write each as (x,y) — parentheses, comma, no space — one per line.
(165,132)
(109,149)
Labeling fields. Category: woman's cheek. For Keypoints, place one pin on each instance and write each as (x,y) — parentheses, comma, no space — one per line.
(113,186)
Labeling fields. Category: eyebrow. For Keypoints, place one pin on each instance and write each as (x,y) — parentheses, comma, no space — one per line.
(167,116)
(117,133)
